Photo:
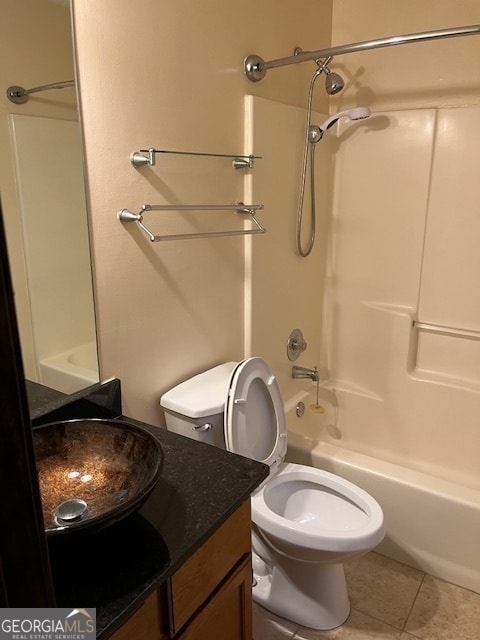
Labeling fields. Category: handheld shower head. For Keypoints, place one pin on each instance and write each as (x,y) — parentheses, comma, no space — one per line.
(315,132)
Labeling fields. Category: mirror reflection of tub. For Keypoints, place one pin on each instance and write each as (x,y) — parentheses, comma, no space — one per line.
(48,162)
(70,370)
(43,189)
(432,524)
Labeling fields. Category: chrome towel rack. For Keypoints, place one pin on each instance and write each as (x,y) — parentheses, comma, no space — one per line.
(125,216)
(148,157)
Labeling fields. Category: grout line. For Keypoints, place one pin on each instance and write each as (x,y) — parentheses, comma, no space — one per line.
(386,624)
(381,620)
(413,603)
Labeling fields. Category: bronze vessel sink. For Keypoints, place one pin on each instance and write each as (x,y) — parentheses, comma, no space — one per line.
(92,473)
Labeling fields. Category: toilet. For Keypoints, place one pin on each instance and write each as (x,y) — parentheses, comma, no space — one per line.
(305,521)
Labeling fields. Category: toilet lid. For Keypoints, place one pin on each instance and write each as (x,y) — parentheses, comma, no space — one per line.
(255,424)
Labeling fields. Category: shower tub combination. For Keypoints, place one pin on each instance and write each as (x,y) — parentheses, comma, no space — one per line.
(393,339)
(432,524)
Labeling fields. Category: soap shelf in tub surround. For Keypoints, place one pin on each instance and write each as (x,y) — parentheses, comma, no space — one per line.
(126,216)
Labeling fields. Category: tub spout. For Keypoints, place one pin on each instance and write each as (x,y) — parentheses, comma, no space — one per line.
(303,372)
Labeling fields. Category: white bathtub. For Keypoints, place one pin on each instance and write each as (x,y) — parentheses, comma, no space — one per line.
(432,524)
(70,370)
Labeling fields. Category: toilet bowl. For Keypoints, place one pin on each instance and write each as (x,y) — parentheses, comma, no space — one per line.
(306,521)
(316,516)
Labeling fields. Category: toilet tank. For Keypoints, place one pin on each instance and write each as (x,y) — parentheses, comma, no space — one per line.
(195,407)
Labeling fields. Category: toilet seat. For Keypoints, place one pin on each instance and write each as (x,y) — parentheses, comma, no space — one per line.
(254,422)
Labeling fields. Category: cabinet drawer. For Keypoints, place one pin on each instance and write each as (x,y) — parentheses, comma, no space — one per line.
(193,583)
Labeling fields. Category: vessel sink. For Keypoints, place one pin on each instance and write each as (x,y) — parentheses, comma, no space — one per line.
(92,473)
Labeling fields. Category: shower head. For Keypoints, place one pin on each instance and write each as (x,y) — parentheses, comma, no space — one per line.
(315,132)
(333,82)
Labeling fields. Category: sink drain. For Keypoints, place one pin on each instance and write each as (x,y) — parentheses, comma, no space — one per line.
(71,510)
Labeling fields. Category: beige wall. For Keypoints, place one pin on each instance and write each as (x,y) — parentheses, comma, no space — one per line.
(286,291)
(169,75)
(437,73)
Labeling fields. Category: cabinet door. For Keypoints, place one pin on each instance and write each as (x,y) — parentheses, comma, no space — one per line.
(205,570)
(228,615)
(146,623)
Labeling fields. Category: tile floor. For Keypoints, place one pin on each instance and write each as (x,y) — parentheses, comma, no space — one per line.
(390,601)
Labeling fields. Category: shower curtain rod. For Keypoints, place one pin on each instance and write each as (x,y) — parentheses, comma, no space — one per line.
(256,67)
(19,95)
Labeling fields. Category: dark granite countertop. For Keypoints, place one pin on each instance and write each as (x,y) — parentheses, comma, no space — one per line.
(96,401)
(115,569)
(41,398)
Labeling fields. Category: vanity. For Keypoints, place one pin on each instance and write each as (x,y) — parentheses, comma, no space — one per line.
(181,566)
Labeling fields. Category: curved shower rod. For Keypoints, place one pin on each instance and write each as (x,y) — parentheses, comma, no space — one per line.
(19,95)
(256,67)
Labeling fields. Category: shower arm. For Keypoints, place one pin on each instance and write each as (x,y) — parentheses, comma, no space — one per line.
(19,95)
(256,67)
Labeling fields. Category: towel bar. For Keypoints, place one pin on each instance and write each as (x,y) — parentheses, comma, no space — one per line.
(125,216)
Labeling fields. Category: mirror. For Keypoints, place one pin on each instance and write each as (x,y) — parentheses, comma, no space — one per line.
(43,198)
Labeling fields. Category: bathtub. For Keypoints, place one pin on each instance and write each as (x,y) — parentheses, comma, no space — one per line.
(70,370)
(432,524)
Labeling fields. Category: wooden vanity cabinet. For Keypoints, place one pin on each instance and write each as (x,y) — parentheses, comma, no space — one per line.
(209,596)
(147,623)
(228,614)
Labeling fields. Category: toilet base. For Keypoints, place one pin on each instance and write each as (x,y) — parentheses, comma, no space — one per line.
(312,595)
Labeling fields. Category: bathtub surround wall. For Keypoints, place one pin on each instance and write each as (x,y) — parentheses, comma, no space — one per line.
(403,251)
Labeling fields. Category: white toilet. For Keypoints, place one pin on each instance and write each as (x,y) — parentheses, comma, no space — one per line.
(306,522)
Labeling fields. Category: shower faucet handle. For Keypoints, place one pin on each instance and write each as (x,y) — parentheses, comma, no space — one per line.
(295,345)
(300,345)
